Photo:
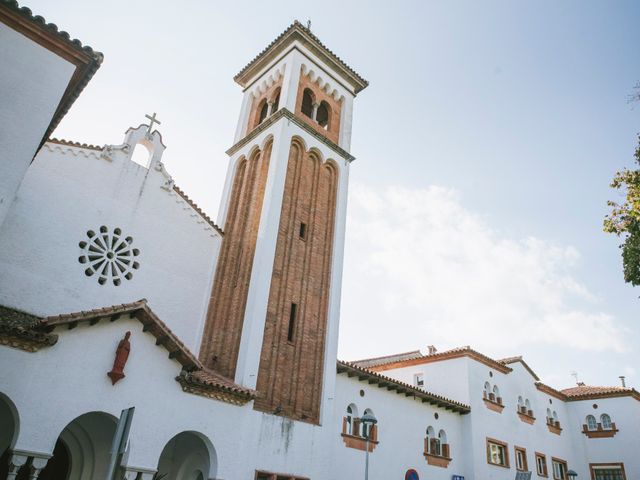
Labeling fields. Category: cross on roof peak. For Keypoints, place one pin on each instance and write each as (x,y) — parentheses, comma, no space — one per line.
(152,120)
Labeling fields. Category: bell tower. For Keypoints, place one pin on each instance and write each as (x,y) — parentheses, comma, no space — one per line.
(273,315)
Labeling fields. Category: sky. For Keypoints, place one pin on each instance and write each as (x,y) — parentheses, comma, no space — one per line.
(484,148)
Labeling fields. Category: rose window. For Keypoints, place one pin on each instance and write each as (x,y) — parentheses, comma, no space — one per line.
(109,256)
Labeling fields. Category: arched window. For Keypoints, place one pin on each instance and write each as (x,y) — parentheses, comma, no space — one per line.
(555,416)
(276,102)
(307,103)
(527,404)
(323,115)
(264,111)
(352,414)
(521,407)
(496,394)
(444,446)
(366,428)
(433,442)
(591,423)
(487,389)
(549,416)
(606,421)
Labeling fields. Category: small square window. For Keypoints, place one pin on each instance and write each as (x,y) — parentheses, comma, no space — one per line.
(418,380)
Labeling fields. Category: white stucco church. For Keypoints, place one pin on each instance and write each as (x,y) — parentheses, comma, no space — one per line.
(140,339)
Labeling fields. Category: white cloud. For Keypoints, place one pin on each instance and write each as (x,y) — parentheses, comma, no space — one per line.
(420,268)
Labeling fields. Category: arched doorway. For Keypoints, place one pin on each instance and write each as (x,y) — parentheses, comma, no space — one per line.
(82,449)
(9,423)
(188,456)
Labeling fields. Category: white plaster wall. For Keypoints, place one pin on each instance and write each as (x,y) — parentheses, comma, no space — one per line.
(244,440)
(68,191)
(32,82)
(448,378)
(623,447)
(402,425)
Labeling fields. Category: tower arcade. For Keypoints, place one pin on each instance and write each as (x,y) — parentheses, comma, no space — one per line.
(272,322)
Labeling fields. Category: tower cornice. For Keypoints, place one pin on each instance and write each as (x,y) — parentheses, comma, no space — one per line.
(298,32)
(285,113)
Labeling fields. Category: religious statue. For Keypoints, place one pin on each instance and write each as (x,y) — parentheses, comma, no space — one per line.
(122,354)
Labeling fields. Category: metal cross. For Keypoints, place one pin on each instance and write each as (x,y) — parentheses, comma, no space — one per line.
(152,120)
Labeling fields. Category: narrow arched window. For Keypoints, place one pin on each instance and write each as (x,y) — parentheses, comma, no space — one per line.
(352,414)
(323,115)
(591,423)
(527,405)
(520,404)
(487,389)
(307,103)
(549,416)
(366,427)
(264,111)
(444,446)
(276,102)
(433,442)
(606,421)
(555,417)
(496,394)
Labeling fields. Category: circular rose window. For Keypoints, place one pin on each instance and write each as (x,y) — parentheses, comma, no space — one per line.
(109,256)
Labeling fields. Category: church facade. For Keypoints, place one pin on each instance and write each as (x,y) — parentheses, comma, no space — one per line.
(140,339)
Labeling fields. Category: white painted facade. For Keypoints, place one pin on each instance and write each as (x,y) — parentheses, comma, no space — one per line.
(62,391)
(28,103)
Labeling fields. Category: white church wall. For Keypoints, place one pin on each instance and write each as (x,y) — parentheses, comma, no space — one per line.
(507,427)
(69,191)
(622,448)
(28,105)
(402,425)
(447,378)
(243,440)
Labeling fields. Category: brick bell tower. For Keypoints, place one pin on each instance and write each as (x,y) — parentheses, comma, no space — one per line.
(273,315)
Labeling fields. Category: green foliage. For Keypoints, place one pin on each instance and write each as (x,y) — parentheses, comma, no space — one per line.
(624,220)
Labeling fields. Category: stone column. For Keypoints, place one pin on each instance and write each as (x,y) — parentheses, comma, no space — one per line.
(315,111)
(271,112)
(37,464)
(16,462)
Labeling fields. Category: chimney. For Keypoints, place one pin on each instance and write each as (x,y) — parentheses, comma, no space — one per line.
(621,377)
(432,350)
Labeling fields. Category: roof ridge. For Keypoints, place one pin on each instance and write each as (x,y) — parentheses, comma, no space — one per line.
(384,356)
(71,143)
(296,25)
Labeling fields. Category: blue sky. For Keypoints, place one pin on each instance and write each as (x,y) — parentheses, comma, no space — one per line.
(503,120)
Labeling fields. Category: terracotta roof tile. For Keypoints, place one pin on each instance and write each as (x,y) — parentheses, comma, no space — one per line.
(510,360)
(195,206)
(584,392)
(419,359)
(375,361)
(194,379)
(401,388)
(35,27)
(297,28)
(70,143)
(16,330)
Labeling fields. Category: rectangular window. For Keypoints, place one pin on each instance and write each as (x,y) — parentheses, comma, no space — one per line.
(497,453)
(559,469)
(418,380)
(292,322)
(613,471)
(541,465)
(521,459)
(303,231)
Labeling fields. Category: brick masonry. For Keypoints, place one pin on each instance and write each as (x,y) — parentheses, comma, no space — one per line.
(291,370)
(223,328)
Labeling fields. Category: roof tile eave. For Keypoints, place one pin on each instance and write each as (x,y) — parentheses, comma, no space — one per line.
(431,397)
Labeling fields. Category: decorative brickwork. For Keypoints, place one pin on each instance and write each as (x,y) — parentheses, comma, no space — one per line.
(270,96)
(223,328)
(332,131)
(292,358)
